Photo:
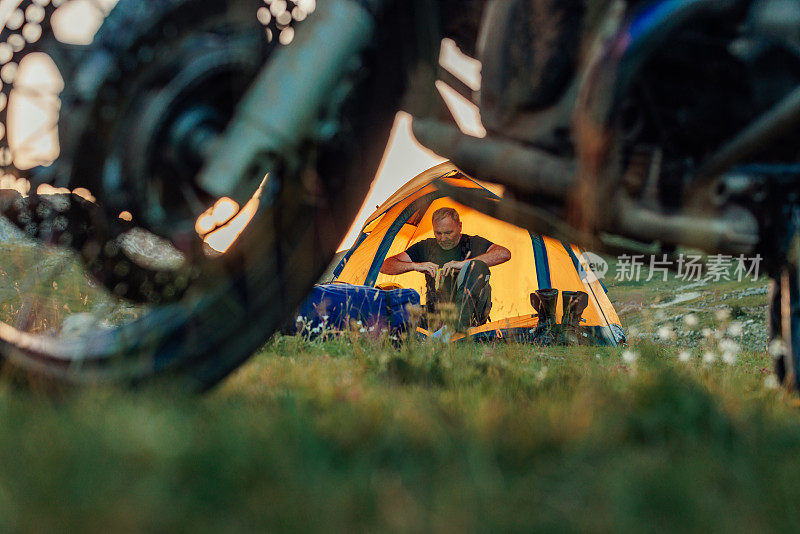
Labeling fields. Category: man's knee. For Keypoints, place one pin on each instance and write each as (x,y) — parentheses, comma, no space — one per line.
(475,272)
(474,294)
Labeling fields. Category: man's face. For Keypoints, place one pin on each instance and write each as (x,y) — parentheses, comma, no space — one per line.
(447,232)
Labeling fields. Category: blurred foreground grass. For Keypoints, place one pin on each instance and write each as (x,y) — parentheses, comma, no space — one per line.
(340,436)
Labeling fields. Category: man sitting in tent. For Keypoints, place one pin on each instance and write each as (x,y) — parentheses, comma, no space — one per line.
(456,267)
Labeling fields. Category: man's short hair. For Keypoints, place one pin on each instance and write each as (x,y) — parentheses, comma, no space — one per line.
(441,213)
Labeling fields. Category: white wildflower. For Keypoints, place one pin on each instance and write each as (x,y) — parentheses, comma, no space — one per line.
(541,374)
(729,357)
(729,345)
(771,382)
(684,356)
(709,357)
(299,319)
(324,317)
(597,356)
(777,348)
(665,333)
(735,329)
(358,323)
(690,319)
(722,314)
(660,315)
(629,356)
(362,330)
(706,332)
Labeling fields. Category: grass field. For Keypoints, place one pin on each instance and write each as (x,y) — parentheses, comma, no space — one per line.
(360,435)
(336,436)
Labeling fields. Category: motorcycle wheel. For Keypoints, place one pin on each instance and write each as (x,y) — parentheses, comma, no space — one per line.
(233,302)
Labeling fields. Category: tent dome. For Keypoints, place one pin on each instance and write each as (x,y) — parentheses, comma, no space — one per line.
(537,262)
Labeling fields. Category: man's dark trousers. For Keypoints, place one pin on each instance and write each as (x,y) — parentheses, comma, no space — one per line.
(473,294)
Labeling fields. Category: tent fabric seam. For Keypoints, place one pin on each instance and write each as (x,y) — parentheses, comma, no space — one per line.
(495,196)
(541,262)
(388,208)
(340,266)
(449,174)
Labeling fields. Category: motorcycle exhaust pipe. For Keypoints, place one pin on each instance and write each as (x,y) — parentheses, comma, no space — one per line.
(523,169)
(734,231)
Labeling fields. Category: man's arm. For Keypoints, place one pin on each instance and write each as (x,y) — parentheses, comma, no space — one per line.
(495,255)
(401,263)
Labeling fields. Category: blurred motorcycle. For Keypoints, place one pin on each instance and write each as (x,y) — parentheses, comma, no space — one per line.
(203,159)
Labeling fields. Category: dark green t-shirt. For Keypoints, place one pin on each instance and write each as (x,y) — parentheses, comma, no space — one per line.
(429,250)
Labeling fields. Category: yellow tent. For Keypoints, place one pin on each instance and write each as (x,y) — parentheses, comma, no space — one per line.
(537,262)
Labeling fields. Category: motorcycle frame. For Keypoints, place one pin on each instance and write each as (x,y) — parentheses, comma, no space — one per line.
(541,184)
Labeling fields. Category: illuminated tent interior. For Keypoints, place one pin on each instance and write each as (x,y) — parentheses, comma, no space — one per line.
(537,262)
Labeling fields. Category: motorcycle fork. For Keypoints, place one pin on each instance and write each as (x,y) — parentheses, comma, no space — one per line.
(783,269)
(291,98)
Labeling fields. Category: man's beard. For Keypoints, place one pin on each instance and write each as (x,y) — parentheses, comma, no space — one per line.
(448,245)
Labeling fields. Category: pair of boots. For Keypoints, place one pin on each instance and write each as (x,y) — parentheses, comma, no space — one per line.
(544,302)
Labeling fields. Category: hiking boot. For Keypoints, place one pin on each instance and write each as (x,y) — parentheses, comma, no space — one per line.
(544,302)
(574,303)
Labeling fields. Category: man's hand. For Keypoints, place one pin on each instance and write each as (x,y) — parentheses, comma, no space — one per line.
(452,267)
(427,267)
